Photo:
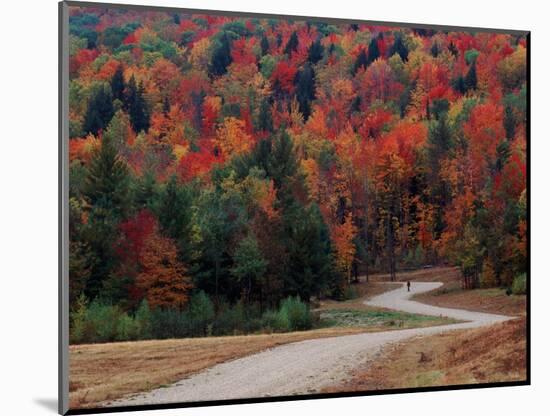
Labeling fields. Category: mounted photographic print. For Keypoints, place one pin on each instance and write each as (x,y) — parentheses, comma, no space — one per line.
(264,208)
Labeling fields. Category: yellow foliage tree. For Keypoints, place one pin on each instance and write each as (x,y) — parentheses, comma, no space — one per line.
(343,235)
(232,138)
(200,54)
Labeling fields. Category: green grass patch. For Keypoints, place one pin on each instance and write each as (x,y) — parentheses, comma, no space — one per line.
(376,318)
(492,293)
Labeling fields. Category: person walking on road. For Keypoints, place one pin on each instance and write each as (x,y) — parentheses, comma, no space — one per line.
(408,286)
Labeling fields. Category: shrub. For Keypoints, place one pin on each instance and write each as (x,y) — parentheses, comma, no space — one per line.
(201,313)
(103,320)
(80,331)
(350,292)
(519,286)
(127,329)
(276,321)
(169,323)
(297,313)
(253,324)
(143,321)
(229,320)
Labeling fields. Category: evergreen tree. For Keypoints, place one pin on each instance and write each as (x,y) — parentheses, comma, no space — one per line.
(173,210)
(100,110)
(503,154)
(362,61)
(264,45)
(309,252)
(106,192)
(117,84)
(221,216)
(117,130)
(439,106)
(453,49)
(440,138)
(399,48)
(509,122)
(459,85)
(221,57)
(282,163)
(106,183)
(434,50)
(440,143)
(249,265)
(470,81)
(145,190)
(305,89)
(292,44)
(374,52)
(315,52)
(137,107)
(265,120)
(356,104)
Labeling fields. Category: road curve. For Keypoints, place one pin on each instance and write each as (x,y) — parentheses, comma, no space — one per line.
(308,366)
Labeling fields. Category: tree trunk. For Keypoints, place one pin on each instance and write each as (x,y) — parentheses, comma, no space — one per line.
(366,229)
(217,273)
(391,249)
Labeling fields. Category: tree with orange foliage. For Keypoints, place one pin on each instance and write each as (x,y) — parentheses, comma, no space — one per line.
(163,278)
(378,83)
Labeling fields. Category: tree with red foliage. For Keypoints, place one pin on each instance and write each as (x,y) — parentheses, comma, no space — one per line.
(282,79)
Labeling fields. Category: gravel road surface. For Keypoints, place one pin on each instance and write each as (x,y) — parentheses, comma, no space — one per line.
(308,366)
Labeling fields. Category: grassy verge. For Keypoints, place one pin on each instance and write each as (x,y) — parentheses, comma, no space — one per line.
(432,274)
(349,318)
(480,355)
(494,300)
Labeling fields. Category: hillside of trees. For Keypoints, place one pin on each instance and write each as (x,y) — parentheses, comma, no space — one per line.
(245,161)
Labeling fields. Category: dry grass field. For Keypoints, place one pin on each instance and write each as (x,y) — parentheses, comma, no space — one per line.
(451,294)
(102,372)
(480,355)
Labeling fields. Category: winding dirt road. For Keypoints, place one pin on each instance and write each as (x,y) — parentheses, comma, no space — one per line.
(308,366)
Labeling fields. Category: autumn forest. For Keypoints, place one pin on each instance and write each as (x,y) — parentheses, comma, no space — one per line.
(224,169)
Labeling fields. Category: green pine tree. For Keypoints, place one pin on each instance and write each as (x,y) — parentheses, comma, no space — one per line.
(137,107)
(292,44)
(117,84)
(265,120)
(470,81)
(362,61)
(221,57)
(509,122)
(315,52)
(305,89)
(264,45)
(100,110)
(374,52)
